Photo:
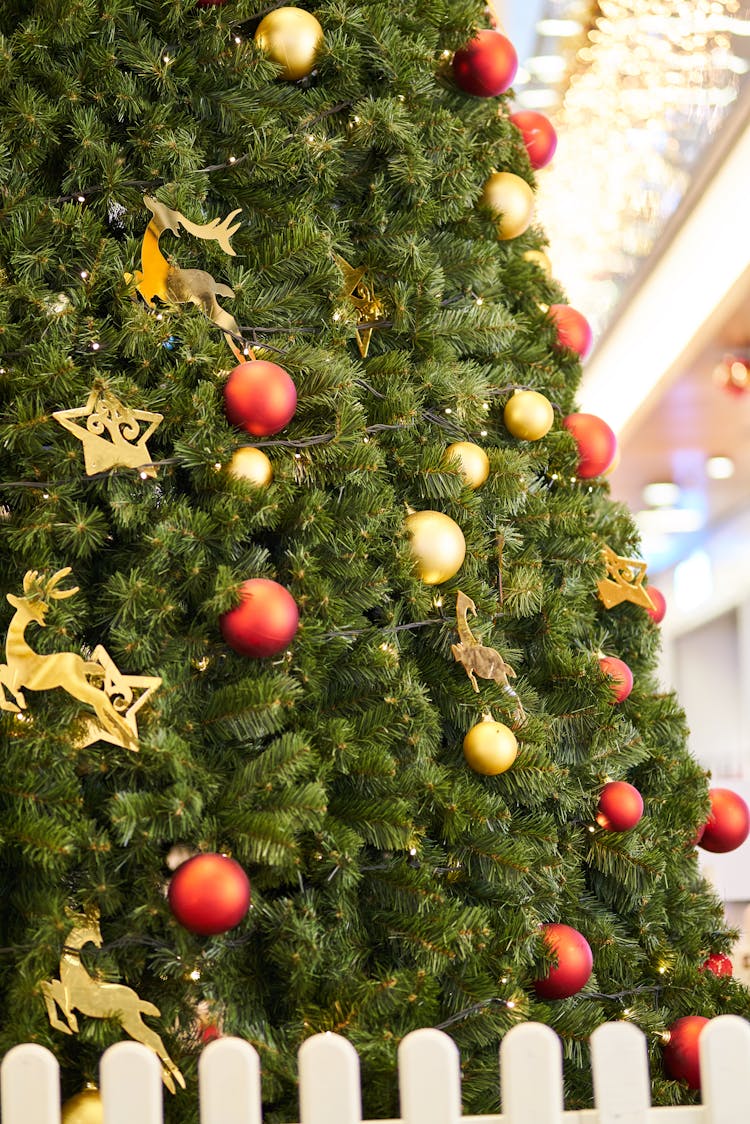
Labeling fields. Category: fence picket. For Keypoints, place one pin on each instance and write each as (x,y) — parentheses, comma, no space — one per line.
(724,1048)
(30,1086)
(429,1078)
(531,1075)
(329,1087)
(229,1083)
(131,1084)
(619,1060)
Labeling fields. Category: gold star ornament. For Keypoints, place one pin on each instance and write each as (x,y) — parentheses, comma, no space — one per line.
(362,297)
(112,434)
(127,694)
(624,581)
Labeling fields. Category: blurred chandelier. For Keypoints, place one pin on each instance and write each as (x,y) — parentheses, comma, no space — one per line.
(635,90)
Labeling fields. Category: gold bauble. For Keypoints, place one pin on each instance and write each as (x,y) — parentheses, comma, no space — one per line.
(249,463)
(474,462)
(490,747)
(513,199)
(538,257)
(292,38)
(84,1108)
(528,415)
(438,545)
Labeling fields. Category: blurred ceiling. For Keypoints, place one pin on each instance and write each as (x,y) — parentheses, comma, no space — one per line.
(662,269)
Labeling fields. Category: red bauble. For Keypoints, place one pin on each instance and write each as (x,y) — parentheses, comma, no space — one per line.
(620,806)
(729,823)
(486,66)
(259,397)
(573,329)
(621,676)
(681,1059)
(596,443)
(717,963)
(660,604)
(574,962)
(265,620)
(209,894)
(538,135)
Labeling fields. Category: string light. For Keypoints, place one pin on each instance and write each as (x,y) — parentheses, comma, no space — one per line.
(84,274)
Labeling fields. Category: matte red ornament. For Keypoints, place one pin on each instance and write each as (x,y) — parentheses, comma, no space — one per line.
(620,806)
(681,1059)
(574,962)
(538,135)
(660,604)
(717,963)
(573,329)
(209,894)
(621,676)
(265,620)
(728,825)
(486,66)
(260,397)
(596,443)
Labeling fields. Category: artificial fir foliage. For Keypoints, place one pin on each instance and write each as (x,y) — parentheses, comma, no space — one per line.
(392,886)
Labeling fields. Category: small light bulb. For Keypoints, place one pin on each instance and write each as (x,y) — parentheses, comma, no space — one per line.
(503,979)
(480,300)
(511,1003)
(446,55)
(166,59)
(591,827)
(298,456)
(337,316)
(573,479)
(84,274)
(81,198)
(438,602)
(217,465)
(355,119)
(232,159)
(95,346)
(448,410)
(310,138)
(237,40)
(485,405)
(482,432)
(195,974)
(143,475)
(555,476)
(45,495)
(412,850)
(365,440)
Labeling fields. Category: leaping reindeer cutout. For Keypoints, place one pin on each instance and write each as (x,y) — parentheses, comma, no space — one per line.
(479,660)
(76,990)
(27,669)
(171,284)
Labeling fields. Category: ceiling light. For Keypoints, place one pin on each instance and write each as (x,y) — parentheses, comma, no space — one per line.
(538,99)
(559,29)
(669,520)
(661,494)
(547,67)
(719,468)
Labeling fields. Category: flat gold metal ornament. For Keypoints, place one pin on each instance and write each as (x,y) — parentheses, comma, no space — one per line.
(114,702)
(111,433)
(77,990)
(160,278)
(624,581)
(362,297)
(476,659)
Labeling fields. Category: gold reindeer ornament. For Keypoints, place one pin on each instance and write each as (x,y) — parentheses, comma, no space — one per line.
(477,660)
(77,990)
(158,277)
(111,433)
(624,581)
(114,702)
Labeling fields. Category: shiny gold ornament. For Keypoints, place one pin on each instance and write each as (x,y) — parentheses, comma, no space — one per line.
(487,663)
(512,199)
(624,581)
(438,545)
(474,462)
(362,297)
(76,990)
(249,463)
(540,258)
(84,1108)
(159,278)
(114,703)
(490,747)
(292,38)
(528,415)
(111,436)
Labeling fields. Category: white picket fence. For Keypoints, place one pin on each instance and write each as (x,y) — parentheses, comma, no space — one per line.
(429,1081)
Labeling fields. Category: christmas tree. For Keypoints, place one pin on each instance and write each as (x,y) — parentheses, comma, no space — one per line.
(311,575)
